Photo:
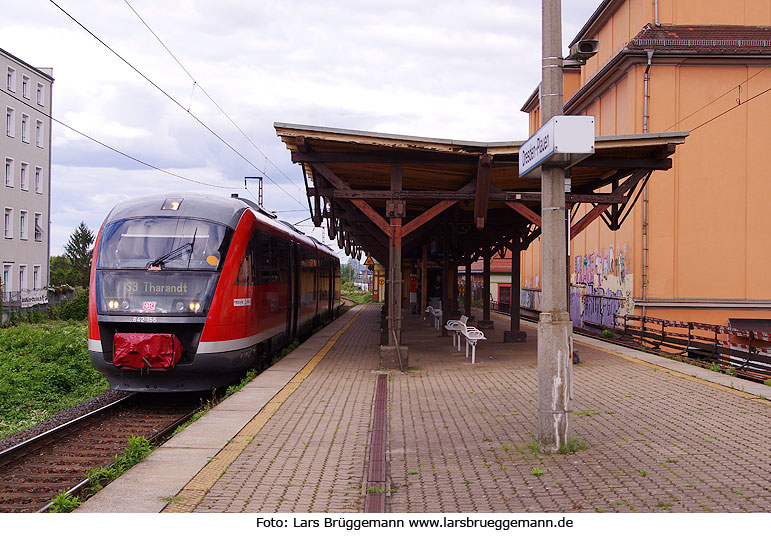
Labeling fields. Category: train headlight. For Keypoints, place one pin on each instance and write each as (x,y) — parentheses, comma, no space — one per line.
(124,304)
(179,306)
(113,304)
(195,306)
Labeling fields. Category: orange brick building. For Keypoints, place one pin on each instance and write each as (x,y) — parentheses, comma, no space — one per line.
(697,244)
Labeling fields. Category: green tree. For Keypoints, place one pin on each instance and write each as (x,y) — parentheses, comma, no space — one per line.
(347,272)
(62,271)
(79,250)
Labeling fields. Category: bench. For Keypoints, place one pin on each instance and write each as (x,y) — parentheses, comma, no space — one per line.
(473,336)
(453,326)
(436,317)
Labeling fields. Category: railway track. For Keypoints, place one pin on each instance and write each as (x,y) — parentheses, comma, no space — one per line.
(32,473)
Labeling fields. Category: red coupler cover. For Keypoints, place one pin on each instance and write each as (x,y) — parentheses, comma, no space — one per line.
(143,350)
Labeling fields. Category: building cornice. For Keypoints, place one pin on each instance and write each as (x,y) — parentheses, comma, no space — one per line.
(27,65)
(598,19)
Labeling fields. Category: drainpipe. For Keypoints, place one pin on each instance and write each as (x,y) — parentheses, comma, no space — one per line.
(656,13)
(646,98)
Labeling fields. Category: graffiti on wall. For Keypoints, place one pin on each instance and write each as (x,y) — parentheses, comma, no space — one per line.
(607,268)
(602,287)
(600,310)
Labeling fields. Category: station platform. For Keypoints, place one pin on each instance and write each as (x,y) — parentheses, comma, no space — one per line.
(655,435)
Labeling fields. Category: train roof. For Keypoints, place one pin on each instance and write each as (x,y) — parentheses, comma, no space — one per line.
(218,209)
(224,210)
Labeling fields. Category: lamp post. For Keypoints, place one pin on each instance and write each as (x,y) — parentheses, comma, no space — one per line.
(554,326)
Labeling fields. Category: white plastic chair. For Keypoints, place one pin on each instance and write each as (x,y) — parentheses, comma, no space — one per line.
(473,336)
(453,326)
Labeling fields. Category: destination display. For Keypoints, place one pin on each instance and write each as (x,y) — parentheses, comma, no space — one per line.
(175,293)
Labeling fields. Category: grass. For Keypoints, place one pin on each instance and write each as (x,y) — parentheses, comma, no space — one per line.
(44,368)
(64,503)
(573,446)
(535,471)
(138,449)
(98,477)
(608,334)
(355,294)
(587,412)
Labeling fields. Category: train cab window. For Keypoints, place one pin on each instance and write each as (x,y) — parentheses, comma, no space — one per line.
(164,243)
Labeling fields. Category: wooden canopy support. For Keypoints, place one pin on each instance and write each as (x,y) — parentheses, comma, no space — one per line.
(426,216)
(525,211)
(482,190)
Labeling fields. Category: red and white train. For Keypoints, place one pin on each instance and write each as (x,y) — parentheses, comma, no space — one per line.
(189,291)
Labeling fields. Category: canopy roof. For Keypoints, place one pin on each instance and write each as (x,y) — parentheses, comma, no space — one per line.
(356,180)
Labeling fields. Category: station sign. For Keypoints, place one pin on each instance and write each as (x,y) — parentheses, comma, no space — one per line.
(565,138)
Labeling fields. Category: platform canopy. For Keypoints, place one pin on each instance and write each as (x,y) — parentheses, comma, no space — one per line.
(465,195)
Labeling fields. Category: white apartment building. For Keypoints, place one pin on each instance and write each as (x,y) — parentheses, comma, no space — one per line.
(25,190)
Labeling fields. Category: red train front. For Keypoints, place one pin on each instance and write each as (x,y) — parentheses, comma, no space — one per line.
(190,291)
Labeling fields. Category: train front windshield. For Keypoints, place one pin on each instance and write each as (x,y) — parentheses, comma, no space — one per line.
(159,265)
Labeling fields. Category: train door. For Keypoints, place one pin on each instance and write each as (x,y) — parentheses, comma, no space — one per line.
(294,290)
(331,284)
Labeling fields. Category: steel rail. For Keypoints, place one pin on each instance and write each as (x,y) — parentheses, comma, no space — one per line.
(75,490)
(20,450)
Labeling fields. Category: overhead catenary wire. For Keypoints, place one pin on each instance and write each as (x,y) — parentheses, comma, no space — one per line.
(106,146)
(738,86)
(731,108)
(199,86)
(175,101)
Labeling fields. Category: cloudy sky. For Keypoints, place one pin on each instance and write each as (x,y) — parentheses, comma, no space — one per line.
(449,69)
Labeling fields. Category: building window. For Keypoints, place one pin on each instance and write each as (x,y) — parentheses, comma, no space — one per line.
(23,224)
(11,80)
(10,122)
(39,180)
(40,94)
(7,277)
(38,227)
(25,86)
(9,172)
(25,128)
(24,179)
(22,277)
(39,134)
(8,223)
(36,277)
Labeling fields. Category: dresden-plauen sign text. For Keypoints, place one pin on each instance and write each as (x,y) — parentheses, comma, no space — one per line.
(571,135)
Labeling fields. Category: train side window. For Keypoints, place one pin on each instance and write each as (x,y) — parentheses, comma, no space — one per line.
(268,272)
(247,272)
(281,252)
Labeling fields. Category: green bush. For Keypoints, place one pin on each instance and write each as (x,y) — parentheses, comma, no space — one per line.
(44,368)
(77,307)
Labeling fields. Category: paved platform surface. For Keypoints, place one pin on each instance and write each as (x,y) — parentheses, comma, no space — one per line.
(460,435)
